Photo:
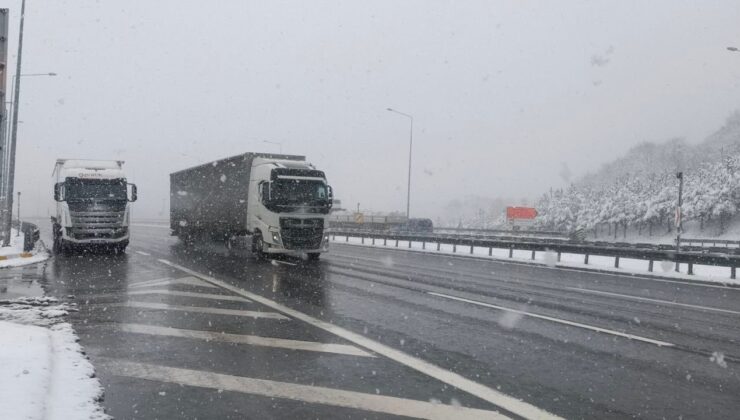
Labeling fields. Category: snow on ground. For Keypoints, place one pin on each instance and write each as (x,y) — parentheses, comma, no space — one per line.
(626,265)
(44,374)
(40,253)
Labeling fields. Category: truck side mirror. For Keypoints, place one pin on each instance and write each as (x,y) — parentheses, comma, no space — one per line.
(330,196)
(59,191)
(133,193)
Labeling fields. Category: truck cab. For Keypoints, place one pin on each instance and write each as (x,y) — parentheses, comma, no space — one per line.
(93,205)
(290,212)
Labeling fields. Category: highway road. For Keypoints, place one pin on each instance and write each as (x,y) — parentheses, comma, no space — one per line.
(197,332)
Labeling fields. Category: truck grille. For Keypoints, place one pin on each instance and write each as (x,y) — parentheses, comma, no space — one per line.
(298,234)
(97,220)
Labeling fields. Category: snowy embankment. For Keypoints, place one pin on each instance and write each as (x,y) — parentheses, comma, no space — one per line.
(14,256)
(626,265)
(44,374)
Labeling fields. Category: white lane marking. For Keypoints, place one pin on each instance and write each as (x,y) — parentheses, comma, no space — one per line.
(252,340)
(497,398)
(149,225)
(188,294)
(190,281)
(273,261)
(143,253)
(202,310)
(148,282)
(306,393)
(558,320)
(667,302)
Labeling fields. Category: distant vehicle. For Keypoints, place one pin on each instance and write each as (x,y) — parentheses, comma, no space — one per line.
(520,217)
(415,226)
(92,205)
(281,201)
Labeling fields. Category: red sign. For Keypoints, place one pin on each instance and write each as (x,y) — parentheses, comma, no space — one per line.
(521,213)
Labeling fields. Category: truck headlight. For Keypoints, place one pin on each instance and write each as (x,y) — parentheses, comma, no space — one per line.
(276,237)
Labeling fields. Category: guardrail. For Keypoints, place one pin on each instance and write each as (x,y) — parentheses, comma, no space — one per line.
(722,257)
(702,242)
(511,232)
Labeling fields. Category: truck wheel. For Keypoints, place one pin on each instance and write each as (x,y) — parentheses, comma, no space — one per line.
(314,256)
(258,245)
(56,246)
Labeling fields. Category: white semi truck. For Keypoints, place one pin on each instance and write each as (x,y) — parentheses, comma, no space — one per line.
(278,203)
(93,205)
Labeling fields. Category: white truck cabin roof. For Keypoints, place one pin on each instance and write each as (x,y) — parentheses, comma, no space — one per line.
(89,169)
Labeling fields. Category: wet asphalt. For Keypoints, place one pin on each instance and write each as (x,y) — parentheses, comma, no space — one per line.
(186,332)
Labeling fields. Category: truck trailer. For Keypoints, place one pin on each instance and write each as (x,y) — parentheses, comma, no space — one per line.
(274,203)
(93,205)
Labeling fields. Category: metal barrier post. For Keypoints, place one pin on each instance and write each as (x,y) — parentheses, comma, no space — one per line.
(585,259)
(691,268)
(423,245)
(385,241)
(396,243)
(490,251)
(511,251)
(409,243)
(732,272)
(616,262)
(362,240)
(373,240)
(438,246)
(454,247)
(533,251)
(471,249)
(558,256)
(650,266)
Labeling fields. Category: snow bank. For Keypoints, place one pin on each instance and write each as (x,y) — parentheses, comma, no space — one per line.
(44,374)
(15,255)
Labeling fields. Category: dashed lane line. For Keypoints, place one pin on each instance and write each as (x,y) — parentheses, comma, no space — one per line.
(143,253)
(508,403)
(557,320)
(297,392)
(664,302)
(252,340)
(189,281)
(202,310)
(187,294)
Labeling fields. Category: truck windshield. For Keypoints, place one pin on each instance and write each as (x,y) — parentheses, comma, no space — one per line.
(101,189)
(298,191)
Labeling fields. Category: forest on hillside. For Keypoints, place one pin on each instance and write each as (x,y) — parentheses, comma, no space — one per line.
(640,190)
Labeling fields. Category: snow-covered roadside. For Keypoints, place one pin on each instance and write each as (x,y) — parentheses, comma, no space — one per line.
(13,255)
(704,273)
(43,373)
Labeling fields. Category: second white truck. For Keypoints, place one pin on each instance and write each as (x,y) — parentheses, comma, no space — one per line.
(92,205)
(280,203)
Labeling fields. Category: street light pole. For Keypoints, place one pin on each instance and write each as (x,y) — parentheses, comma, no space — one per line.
(411,142)
(11,165)
(679,217)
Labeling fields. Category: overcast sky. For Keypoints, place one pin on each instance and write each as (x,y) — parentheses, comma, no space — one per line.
(502,92)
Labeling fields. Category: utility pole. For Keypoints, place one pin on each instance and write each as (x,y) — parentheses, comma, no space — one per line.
(411,142)
(3,109)
(18,215)
(679,226)
(14,134)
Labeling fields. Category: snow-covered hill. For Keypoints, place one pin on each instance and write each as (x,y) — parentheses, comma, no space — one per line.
(637,194)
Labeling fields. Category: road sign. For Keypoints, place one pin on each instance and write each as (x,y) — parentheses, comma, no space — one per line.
(359,218)
(525,213)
